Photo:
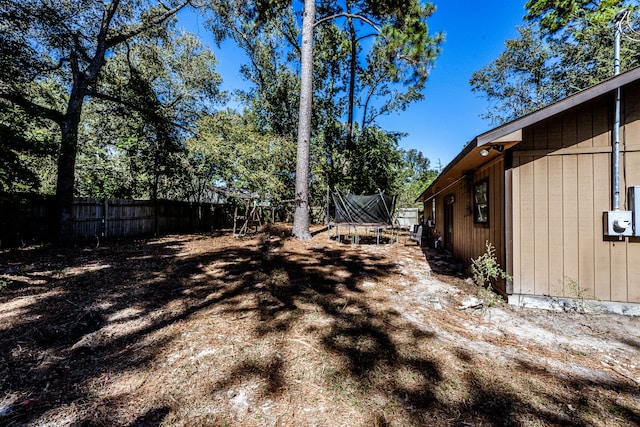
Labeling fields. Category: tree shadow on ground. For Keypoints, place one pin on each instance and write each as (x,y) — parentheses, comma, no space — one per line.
(153,417)
(90,314)
(58,345)
(55,347)
(442,262)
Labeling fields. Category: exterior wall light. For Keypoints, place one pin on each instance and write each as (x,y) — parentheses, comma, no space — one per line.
(485,151)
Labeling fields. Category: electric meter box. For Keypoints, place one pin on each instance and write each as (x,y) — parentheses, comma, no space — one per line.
(618,223)
(633,202)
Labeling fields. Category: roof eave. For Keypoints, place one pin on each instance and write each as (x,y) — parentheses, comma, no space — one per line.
(571,101)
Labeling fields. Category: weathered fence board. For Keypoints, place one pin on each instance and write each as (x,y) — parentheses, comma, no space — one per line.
(28,219)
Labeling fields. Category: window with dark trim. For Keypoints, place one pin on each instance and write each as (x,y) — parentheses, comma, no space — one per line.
(481,202)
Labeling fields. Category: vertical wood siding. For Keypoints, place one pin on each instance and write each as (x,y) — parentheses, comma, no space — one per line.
(469,238)
(561,185)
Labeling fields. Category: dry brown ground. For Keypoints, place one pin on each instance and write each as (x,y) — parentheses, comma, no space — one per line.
(269,331)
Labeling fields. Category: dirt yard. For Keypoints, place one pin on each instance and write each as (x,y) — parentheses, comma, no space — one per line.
(211,330)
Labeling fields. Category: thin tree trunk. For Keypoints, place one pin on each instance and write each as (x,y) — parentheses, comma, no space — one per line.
(352,81)
(301,215)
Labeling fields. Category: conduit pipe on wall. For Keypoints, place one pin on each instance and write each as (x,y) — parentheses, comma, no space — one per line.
(616,122)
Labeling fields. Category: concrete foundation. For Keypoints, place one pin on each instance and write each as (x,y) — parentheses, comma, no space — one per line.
(574,305)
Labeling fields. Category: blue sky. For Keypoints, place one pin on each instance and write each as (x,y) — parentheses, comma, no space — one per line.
(449,116)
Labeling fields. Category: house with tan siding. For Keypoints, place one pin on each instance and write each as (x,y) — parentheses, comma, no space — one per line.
(542,190)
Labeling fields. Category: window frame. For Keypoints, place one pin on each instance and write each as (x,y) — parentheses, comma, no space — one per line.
(481,207)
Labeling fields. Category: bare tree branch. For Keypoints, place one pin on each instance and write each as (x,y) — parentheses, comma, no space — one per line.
(348,15)
(367,36)
(119,38)
(138,108)
(49,69)
(33,108)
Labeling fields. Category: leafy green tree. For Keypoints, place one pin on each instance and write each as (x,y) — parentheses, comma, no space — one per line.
(266,32)
(405,41)
(416,175)
(103,167)
(567,46)
(557,16)
(520,79)
(583,32)
(27,146)
(69,42)
(232,152)
(149,99)
(29,143)
(377,163)
(403,53)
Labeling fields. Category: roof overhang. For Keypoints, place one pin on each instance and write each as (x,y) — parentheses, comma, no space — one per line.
(473,156)
(510,134)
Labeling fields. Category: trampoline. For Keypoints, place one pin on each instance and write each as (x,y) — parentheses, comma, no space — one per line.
(362,215)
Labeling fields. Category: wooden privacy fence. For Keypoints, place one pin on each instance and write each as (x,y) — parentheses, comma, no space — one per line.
(28,219)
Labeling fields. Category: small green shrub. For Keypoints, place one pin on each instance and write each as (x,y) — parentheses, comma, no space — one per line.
(486,271)
(581,296)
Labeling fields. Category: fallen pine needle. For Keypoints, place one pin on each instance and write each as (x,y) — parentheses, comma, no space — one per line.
(304,343)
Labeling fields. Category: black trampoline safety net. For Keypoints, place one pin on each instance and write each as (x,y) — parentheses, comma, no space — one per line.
(363,209)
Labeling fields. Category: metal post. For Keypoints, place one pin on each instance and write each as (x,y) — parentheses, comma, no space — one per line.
(327,212)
